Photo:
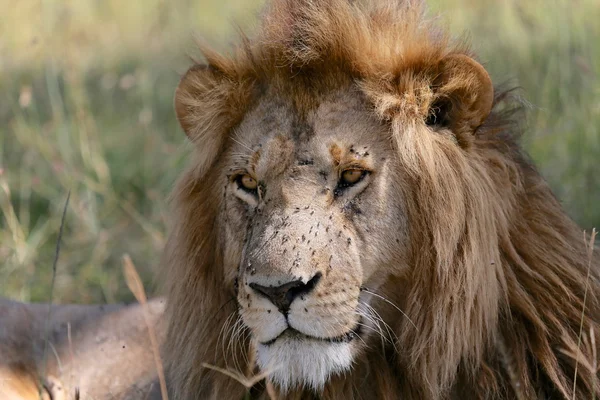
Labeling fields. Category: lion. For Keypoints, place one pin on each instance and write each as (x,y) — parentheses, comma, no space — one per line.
(359,221)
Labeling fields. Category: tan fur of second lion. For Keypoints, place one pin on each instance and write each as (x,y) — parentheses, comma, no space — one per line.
(108,354)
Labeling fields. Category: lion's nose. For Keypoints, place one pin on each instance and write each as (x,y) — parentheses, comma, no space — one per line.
(283,296)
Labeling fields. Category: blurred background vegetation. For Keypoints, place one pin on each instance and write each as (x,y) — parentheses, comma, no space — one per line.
(86,90)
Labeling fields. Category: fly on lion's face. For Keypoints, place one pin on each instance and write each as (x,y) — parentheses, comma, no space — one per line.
(303,201)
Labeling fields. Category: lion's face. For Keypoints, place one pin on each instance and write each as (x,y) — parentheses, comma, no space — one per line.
(306,208)
(318,186)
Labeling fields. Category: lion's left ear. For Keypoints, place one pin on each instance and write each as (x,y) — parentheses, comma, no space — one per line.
(463,95)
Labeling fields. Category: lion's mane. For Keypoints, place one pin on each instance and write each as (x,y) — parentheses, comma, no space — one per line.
(499,272)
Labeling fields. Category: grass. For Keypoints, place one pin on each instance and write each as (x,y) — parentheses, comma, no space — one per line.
(86,94)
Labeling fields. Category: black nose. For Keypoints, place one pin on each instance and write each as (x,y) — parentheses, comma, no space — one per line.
(283,296)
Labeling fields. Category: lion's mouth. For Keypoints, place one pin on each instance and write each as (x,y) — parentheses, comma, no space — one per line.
(296,334)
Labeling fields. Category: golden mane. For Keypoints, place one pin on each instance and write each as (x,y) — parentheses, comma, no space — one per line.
(499,271)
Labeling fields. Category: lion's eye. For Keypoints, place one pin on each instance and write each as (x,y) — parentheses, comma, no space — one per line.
(247,182)
(352,176)
(349,178)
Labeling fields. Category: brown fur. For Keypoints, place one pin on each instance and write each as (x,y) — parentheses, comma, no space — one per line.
(498,270)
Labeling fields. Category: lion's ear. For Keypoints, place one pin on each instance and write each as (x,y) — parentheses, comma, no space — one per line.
(463,93)
(201,99)
(208,103)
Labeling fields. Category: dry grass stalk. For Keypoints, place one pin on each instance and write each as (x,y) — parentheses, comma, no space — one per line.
(134,283)
(72,362)
(271,390)
(586,355)
(52,284)
(247,382)
(590,247)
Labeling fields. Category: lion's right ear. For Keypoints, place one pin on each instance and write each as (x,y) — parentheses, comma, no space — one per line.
(208,103)
(464,95)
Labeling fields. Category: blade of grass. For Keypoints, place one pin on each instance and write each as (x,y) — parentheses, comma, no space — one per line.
(54,265)
(245,381)
(134,283)
(590,247)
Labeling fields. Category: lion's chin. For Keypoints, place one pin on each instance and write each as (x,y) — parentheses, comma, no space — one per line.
(303,362)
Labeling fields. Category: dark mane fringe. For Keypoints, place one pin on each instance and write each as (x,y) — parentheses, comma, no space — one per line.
(499,270)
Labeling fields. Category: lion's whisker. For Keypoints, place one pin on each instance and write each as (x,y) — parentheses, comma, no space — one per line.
(364,289)
(391,335)
(376,326)
(243,341)
(233,342)
(366,326)
(371,315)
(224,335)
(379,318)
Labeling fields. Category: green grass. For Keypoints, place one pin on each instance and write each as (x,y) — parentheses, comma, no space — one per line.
(86,104)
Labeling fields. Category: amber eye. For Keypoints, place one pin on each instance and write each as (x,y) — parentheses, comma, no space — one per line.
(247,182)
(352,176)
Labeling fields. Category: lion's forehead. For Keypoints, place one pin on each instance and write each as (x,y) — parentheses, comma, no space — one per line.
(276,135)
